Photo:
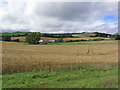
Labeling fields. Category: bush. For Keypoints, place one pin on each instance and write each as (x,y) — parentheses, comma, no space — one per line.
(33,38)
(6,38)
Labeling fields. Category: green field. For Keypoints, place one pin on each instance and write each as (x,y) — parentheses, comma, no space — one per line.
(13,34)
(84,34)
(84,78)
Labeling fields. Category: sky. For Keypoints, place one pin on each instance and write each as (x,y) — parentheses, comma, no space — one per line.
(59,17)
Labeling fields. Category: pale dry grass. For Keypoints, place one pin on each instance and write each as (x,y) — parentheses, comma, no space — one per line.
(18,57)
(98,42)
(21,38)
(48,38)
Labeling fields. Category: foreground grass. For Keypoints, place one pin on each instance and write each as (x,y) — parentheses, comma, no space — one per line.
(84,78)
(0,81)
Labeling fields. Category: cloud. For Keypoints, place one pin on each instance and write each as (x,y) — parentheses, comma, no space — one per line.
(63,11)
(58,16)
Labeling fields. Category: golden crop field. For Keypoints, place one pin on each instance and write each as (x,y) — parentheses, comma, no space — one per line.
(85,38)
(19,57)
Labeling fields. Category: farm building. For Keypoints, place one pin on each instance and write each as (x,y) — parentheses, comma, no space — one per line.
(47,41)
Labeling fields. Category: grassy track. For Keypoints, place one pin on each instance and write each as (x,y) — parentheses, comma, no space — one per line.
(85,78)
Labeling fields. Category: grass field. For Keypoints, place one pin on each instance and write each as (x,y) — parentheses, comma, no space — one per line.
(90,78)
(67,66)
(11,34)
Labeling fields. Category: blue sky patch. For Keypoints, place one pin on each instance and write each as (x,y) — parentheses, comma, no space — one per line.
(110,18)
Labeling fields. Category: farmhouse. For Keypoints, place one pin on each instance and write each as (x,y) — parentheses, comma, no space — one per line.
(47,41)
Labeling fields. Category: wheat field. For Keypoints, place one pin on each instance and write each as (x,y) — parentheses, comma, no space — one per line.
(85,38)
(19,57)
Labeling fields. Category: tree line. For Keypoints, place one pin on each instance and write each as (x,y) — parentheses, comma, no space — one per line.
(34,37)
(56,35)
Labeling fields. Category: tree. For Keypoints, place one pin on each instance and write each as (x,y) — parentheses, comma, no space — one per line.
(6,38)
(117,37)
(33,38)
(61,39)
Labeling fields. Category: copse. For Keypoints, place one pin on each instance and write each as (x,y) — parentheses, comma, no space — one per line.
(33,37)
(117,37)
(6,38)
(61,39)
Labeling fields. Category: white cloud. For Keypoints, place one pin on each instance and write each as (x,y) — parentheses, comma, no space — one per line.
(57,16)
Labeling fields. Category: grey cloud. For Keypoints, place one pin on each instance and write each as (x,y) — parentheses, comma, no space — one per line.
(75,10)
(64,10)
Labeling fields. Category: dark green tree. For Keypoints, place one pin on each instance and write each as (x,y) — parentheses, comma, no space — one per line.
(6,38)
(33,37)
(117,37)
(61,39)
